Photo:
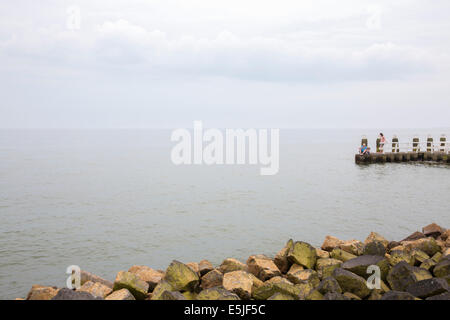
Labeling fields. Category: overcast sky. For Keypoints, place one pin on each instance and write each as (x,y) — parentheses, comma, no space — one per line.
(233,63)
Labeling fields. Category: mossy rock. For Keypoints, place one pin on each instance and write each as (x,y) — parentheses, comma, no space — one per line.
(304,254)
(375,248)
(216,293)
(402,275)
(329,284)
(341,255)
(442,269)
(314,295)
(400,255)
(130,281)
(350,282)
(280,296)
(181,277)
(359,265)
(326,266)
(269,289)
(162,286)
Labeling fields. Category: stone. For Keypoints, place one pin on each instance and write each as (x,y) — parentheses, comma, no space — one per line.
(97,289)
(147,274)
(322,253)
(193,266)
(204,267)
(280,296)
(428,287)
(133,283)
(189,295)
(122,294)
(351,296)
(400,255)
(230,264)
(446,252)
(427,245)
(432,230)
(39,292)
(354,247)
(262,267)
(329,284)
(172,295)
(350,282)
(342,255)
(306,275)
(181,277)
(325,267)
(414,236)
(277,279)
(212,279)
(437,257)
(239,282)
(162,286)
(87,276)
(442,296)
(373,236)
(360,264)
(330,243)
(442,269)
(398,295)
(428,264)
(314,295)
(392,244)
(69,294)
(304,254)
(402,275)
(419,256)
(334,296)
(375,248)
(445,235)
(281,259)
(217,293)
(269,289)
(304,289)
(375,295)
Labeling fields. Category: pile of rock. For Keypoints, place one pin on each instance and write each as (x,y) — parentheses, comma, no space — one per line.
(417,267)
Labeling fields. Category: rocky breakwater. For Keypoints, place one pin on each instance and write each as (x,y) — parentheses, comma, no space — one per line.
(415,268)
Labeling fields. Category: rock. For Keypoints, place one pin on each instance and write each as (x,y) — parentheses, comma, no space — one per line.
(230,264)
(350,282)
(334,296)
(239,282)
(325,267)
(373,236)
(212,279)
(216,293)
(122,294)
(442,296)
(402,275)
(322,253)
(428,287)
(97,289)
(398,295)
(304,289)
(87,276)
(442,269)
(375,248)
(281,259)
(277,279)
(446,252)
(314,295)
(181,277)
(262,267)
(351,296)
(39,292)
(162,286)
(360,264)
(330,243)
(375,295)
(419,256)
(172,295)
(432,230)
(269,289)
(329,284)
(414,236)
(437,257)
(428,264)
(392,244)
(204,267)
(133,283)
(400,255)
(280,296)
(342,255)
(445,235)
(354,247)
(68,294)
(147,274)
(306,275)
(193,266)
(427,245)
(304,254)
(189,295)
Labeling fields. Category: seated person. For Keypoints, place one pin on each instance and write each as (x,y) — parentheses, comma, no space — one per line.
(364,150)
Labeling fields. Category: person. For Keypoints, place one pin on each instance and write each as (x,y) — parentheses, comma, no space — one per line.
(364,150)
(382,142)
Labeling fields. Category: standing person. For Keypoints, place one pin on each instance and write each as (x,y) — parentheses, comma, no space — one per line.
(382,141)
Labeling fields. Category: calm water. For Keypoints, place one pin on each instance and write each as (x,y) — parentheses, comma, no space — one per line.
(109,199)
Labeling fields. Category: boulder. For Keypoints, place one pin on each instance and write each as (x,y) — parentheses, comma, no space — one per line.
(445,235)
(419,256)
(122,294)
(280,296)
(350,282)
(428,287)
(414,236)
(276,279)
(162,286)
(68,294)
(212,279)
(374,248)
(262,267)
(304,289)
(147,274)
(172,295)
(342,255)
(303,253)
(306,275)
(330,243)
(400,255)
(329,284)
(325,267)
(442,269)
(334,296)
(354,247)
(442,296)
(204,267)
(351,296)
(402,275)
(189,295)
(217,293)
(133,283)
(392,244)
(239,282)
(437,257)
(181,277)
(432,230)
(398,295)
(269,289)
(230,264)
(193,266)
(39,292)
(427,245)
(373,236)
(428,264)
(87,276)
(281,259)
(97,289)
(360,264)
(322,253)
(314,295)
(375,295)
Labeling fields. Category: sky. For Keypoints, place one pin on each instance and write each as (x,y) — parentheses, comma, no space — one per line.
(230,64)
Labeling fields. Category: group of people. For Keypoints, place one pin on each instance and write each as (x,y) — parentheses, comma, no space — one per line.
(365,150)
